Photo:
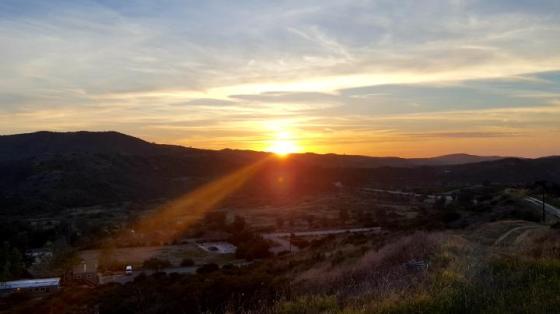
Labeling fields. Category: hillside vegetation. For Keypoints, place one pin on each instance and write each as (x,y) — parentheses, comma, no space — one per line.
(45,172)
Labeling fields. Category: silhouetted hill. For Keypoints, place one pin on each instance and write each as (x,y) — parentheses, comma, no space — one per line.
(351,161)
(21,146)
(453,159)
(48,171)
(355,161)
(511,171)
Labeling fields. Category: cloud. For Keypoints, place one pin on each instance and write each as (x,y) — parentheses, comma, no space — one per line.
(336,70)
(464,134)
(206,102)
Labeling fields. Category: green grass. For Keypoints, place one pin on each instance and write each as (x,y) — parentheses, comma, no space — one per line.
(309,305)
(505,286)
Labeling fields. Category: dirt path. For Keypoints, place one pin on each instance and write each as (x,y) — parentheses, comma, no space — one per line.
(513,231)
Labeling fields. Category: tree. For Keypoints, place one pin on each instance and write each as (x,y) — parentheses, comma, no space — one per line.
(187,262)
(439,203)
(465,198)
(12,265)
(207,268)
(62,259)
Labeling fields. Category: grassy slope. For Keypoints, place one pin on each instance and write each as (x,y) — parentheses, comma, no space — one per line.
(465,276)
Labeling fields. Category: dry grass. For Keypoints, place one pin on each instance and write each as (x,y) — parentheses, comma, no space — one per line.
(376,273)
(545,244)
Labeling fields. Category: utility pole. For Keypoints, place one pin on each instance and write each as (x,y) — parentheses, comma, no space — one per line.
(543,187)
(543,207)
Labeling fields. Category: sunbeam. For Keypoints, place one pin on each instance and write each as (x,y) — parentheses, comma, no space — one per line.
(193,205)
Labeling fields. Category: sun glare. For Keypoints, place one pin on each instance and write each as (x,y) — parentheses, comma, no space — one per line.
(283,145)
(283,148)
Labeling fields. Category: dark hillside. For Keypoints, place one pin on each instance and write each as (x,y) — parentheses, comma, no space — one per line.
(41,144)
(48,171)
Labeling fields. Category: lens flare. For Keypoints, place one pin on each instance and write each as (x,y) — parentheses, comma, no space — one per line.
(283,145)
(283,148)
(192,206)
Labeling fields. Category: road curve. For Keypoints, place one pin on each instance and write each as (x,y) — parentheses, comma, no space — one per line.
(547,207)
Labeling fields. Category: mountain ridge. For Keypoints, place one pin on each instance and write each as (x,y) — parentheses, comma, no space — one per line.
(26,145)
(51,171)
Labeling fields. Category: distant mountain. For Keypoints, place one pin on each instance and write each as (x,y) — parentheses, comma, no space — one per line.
(21,146)
(351,161)
(453,159)
(509,171)
(47,171)
(355,161)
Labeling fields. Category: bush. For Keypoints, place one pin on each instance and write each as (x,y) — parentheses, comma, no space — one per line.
(250,245)
(207,268)
(522,214)
(450,216)
(187,262)
(229,267)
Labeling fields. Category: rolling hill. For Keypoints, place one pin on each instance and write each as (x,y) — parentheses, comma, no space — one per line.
(46,171)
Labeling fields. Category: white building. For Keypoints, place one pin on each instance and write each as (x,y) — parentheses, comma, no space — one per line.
(35,286)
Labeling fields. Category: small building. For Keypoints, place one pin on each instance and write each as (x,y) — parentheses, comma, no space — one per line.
(84,274)
(33,286)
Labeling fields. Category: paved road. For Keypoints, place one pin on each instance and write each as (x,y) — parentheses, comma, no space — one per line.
(548,208)
(283,244)
(396,192)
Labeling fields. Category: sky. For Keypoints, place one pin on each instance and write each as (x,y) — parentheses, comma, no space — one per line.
(381,78)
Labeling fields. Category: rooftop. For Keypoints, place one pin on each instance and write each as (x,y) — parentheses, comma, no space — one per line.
(30,283)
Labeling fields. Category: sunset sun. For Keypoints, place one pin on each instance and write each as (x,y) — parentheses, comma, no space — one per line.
(283,145)
(283,148)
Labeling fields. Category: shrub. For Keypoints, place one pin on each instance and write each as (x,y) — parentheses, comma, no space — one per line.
(229,266)
(450,216)
(207,268)
(187,262)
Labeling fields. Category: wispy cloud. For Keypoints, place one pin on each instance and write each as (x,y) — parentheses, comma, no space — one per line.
(337,70)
